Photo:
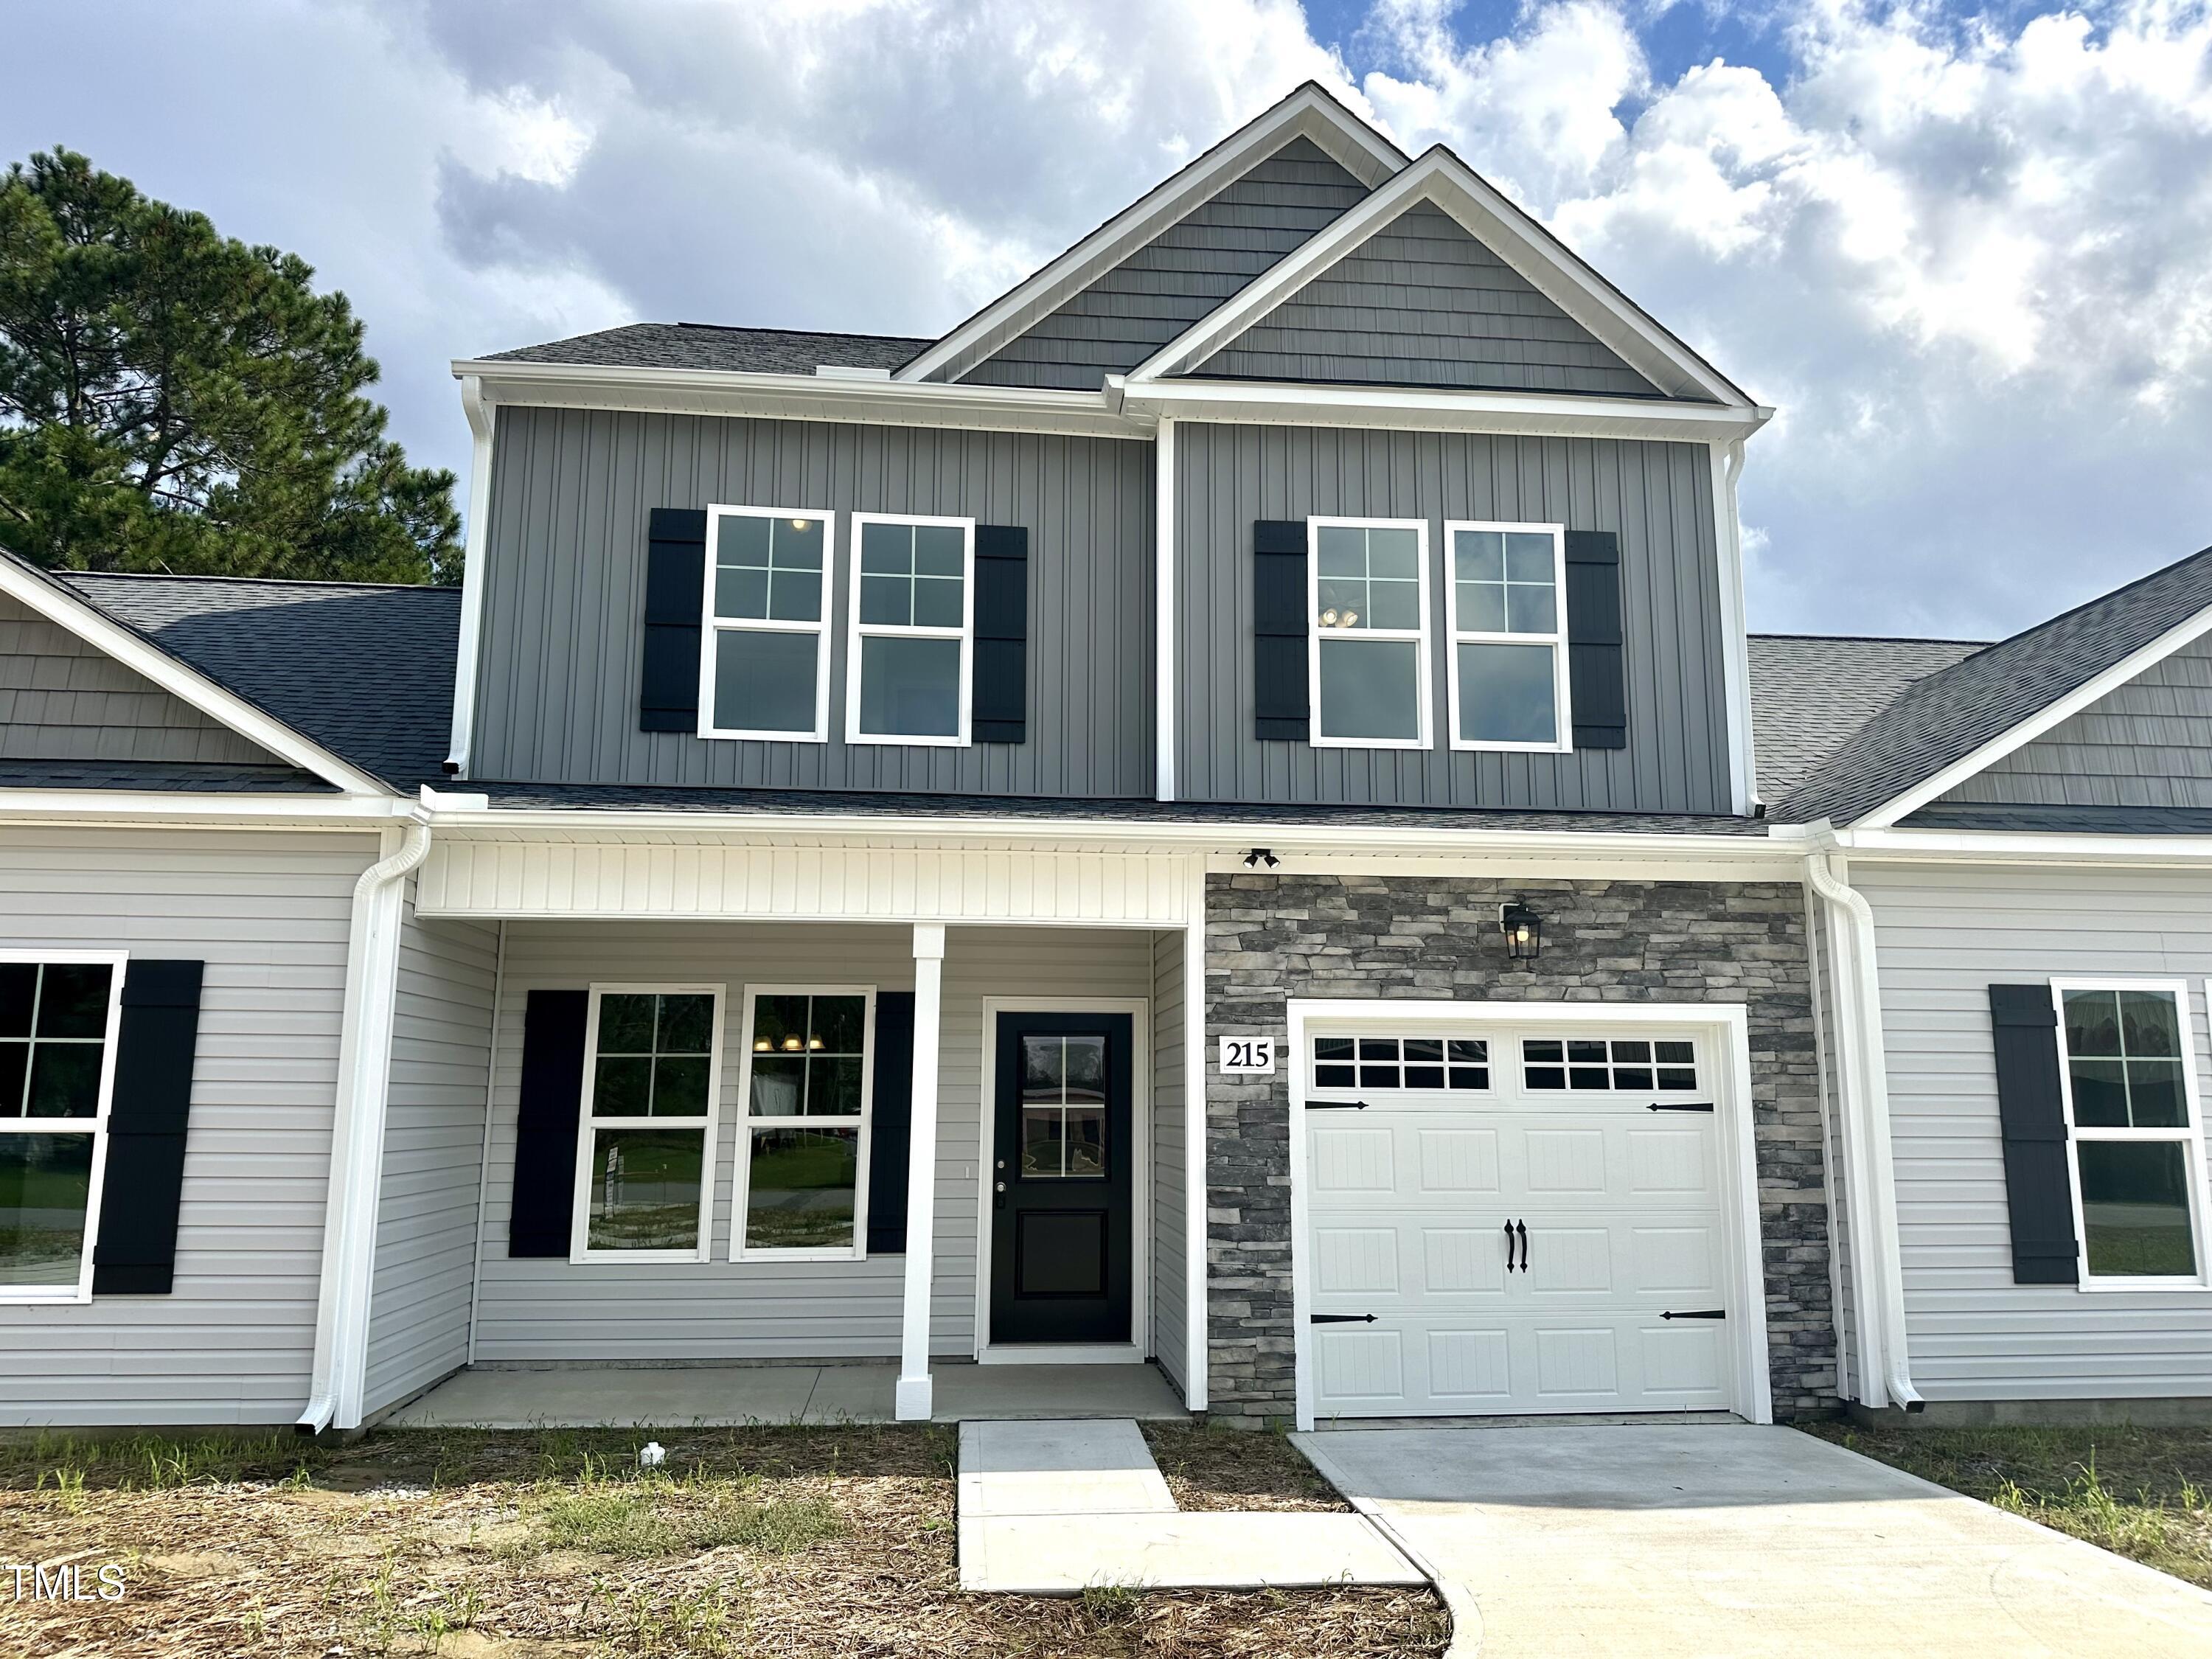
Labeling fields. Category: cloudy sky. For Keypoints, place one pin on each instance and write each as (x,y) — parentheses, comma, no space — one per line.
(1967,252)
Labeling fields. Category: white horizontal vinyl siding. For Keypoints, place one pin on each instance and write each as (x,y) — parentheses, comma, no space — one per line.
(426,1214)
(1946,934)
(1170,1184)
(544,1309)
(268,913)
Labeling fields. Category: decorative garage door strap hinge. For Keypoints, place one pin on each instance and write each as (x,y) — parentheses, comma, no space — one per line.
(1339,1318)
(1680,1106)
(1336,1106)
(1697,1312)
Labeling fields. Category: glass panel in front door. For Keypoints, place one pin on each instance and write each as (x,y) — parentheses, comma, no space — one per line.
(1063,1084)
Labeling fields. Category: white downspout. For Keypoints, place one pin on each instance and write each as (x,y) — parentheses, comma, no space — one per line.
(478,408)
(1728,526)
(1872,1177)
(335,1390)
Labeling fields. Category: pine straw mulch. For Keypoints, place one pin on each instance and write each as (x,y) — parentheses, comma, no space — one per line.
(1223,1468)
(789,1541)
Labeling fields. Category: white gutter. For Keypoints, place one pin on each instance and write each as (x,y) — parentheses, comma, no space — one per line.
(1870,1179)
(477,405)
(357,1136)
(1164,613)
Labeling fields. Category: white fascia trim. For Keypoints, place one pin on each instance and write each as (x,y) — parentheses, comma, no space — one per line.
(1728,534)
(2042,720)
(797,397)
(477,404)
(2019,847)
(65,609)
(1441,178)
(1308,112)
(1538,414)
(159,808)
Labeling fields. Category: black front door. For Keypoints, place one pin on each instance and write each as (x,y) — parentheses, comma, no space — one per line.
(1060,1176)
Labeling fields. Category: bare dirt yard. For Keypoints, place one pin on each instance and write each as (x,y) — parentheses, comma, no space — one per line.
(526,1546)
(2143,1493)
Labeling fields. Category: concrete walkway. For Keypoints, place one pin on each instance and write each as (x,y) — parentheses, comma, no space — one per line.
(1053,1509)
(721,1396)
(1668,1542)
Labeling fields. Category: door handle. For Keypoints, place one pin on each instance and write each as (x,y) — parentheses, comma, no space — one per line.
(998,1198)
(1522,1228)
(1509,1247)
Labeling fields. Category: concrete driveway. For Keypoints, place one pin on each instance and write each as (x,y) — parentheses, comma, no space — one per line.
(1560,1542)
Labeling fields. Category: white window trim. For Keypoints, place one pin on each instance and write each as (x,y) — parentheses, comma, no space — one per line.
(2193,1139)
(741,1187)
(117,961)
(1314,736)
(1562,714)
(711,626)
(855,631)
(579,1250)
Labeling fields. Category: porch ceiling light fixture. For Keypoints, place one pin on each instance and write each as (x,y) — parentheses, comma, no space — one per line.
(1523,929)
(1258,856)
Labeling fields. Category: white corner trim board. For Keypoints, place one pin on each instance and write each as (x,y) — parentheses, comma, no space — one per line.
(1728,525)
(65,609)
(341,1359)
(477,404)
(1164,610)
(1195,1385)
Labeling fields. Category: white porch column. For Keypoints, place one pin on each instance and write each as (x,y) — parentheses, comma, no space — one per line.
(913,1389)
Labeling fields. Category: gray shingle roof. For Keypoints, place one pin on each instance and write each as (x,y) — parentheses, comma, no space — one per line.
(160,774)
(1809,692)
(708,345)
(366,671)
(1950,714)
(2092,820)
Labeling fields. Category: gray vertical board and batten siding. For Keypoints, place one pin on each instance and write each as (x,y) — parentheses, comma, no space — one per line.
(1133,308)
(268,913)
(1422,302)
(1658,497)
(564,595)
(423,1271)
(1946,934)
(2147,743)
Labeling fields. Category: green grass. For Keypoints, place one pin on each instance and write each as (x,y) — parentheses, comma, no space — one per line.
(651,1513)
(2139,1492)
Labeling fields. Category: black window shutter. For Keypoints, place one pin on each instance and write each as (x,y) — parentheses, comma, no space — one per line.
(675,594)
(136,1251)
(1281,705)
(891,1120)
(1597,668)
(544,1203)
(998,707)
(2032,1112)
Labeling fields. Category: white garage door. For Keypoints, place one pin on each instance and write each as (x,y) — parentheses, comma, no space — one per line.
(1513,1219)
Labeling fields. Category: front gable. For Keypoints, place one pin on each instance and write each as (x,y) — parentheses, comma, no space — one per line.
(1422,302)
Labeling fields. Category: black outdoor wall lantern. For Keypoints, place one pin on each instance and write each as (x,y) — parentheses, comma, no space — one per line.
(1523,929)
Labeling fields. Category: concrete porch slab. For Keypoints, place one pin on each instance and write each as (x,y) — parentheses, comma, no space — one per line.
(1066,1554)
(726,1397)
(1048,1467)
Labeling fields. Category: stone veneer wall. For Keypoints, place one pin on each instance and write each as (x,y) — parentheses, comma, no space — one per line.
(1272,937)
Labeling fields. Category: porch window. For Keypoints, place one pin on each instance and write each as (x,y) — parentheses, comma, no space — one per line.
(2136,1143)
(905,672)
(57,1024)
(803,1181)
(647,1123)
(1369,640)
(1634,1065)
(764,659)
(1508,666)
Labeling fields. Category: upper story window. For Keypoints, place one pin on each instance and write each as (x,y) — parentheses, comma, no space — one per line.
(764,659)
(1369,605)
(1508,669)
(905,672)
(2137,1147)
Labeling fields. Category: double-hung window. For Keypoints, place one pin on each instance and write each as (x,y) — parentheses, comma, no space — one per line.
(646,1129)
(913,608)
(803,1168)
(1369,593)
(764,651)
(59,1013)
(2129,1078)
(1507,616)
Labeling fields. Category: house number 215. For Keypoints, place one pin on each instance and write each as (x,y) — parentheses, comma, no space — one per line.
(1252,1056)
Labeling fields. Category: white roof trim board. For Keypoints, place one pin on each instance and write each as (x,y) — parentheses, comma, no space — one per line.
(1309,112)
(1441,178)
(63,609)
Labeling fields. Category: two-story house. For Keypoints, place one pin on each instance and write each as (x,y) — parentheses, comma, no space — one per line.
(1203,821)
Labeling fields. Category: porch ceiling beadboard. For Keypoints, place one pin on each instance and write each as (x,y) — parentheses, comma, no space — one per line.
(486,878)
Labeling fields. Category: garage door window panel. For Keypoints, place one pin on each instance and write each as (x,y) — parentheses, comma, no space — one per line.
(1609,1065)
(1459,1065)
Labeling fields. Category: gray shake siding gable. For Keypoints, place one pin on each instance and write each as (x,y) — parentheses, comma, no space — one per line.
(565,560)
(1658,497)
(1272,937)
